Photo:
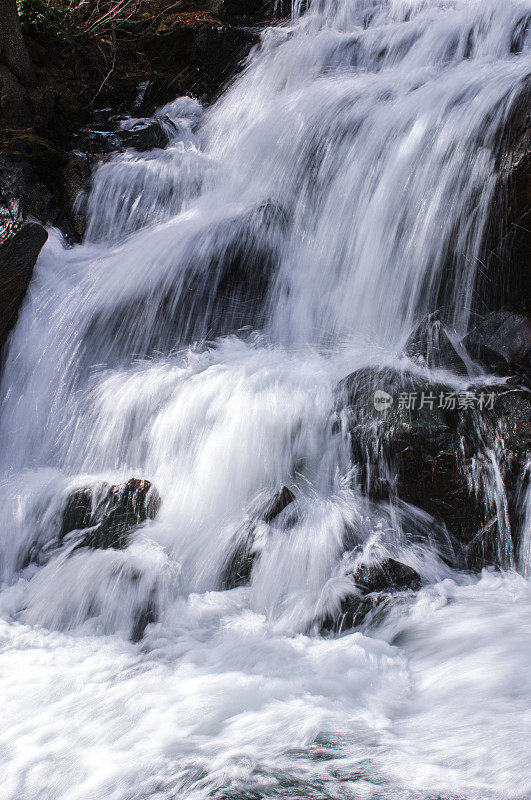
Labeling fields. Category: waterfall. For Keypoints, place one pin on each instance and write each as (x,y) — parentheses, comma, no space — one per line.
(294,232)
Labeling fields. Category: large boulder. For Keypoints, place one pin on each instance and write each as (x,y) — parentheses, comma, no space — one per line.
(454,454)
(103,517)
(17,260)
(372,586)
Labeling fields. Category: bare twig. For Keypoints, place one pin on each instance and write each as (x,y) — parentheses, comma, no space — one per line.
(110,72)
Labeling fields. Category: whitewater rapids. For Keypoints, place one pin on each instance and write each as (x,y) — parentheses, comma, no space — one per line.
(292,233)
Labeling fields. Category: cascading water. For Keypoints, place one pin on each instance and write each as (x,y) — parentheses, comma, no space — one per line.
(335,194)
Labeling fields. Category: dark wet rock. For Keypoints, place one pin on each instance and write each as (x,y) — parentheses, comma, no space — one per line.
(432,347)
(503,280)
(116,132)
(488,527)
(411,407)
(483,548)
(230,269)
(252,9)
(278,503)
(519,33)
(501,341)
(237,571)
(437,482)
(353,610)
(239,566)
(109,514)
(138,591)
(439,458)
(153,94)
(17,260)
(22,196)
(101,115)
(77,514)
(145,614)
(193,54)
(372,586)
(98,140)
(243,269)
(145,134)
(74,180)
(522,492)
(386,576)
(512,411)
(210,53)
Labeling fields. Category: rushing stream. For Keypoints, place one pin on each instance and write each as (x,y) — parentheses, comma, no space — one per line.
(292,233)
